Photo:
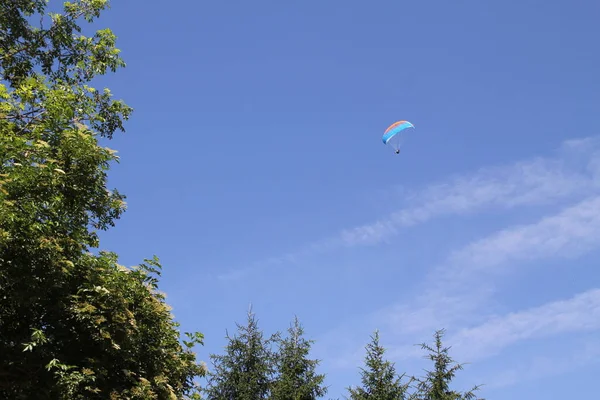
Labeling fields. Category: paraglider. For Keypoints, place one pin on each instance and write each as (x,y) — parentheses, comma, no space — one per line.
(392,134)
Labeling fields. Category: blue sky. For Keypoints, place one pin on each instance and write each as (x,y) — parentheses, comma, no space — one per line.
(254,169)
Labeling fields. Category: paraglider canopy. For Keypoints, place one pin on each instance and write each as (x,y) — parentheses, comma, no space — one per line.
(392,134)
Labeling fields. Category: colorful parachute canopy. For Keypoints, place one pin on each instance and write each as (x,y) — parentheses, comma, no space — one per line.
(394,129)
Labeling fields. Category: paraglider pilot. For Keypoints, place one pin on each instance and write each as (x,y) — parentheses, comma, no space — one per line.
(392,134)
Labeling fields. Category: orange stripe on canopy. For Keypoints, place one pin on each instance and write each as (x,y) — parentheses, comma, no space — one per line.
(395,124)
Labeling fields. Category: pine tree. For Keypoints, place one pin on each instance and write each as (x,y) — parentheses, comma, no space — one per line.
(297,378)
(244,372)
(379,378)
(436,384)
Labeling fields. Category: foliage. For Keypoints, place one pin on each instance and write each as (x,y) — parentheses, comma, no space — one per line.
(379,378)
(244,372)
(436,384)
(72,324)
(296,376)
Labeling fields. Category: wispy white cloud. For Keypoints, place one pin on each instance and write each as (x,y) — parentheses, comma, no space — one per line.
(546,366)
(537,181)
(573,231)
(572,173)
(576,315)
(460,293)
(240,273)
(580,313)
(457,292)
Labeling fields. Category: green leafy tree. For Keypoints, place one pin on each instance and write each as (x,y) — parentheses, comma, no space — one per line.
(245,371)
(296,373)
(379,378)
(73,324)
(436,383)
